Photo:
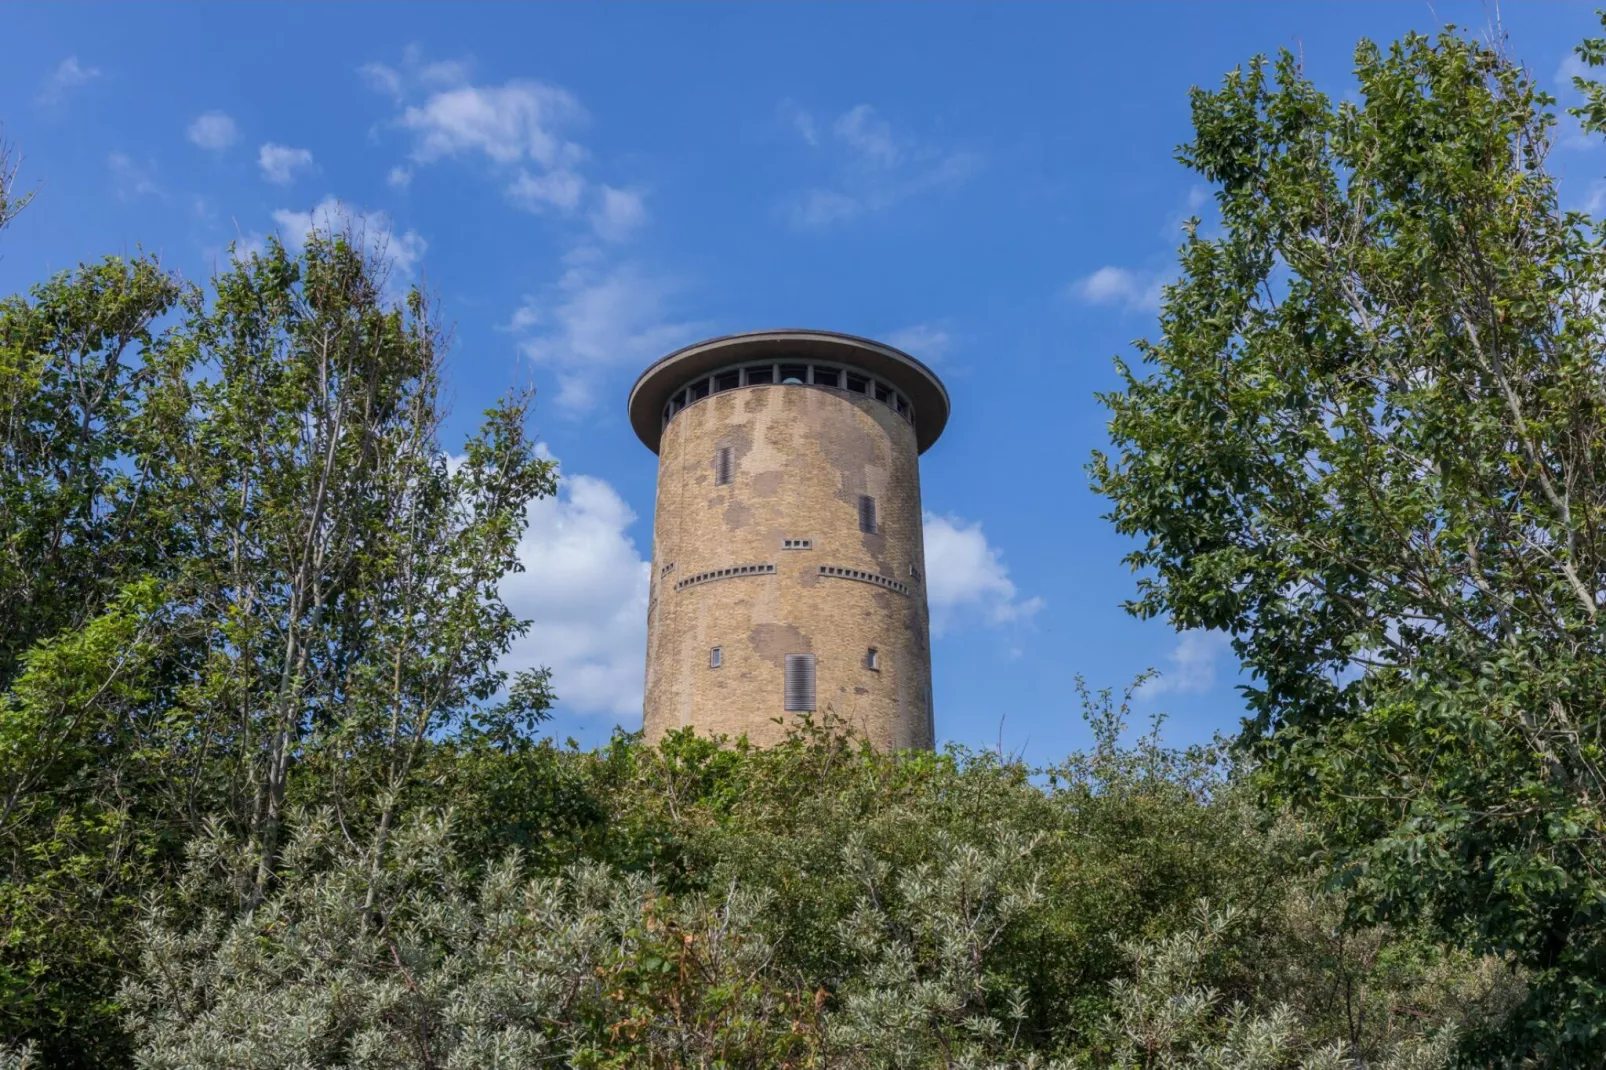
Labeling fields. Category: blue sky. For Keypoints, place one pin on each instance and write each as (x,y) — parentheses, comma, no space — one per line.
(585,187)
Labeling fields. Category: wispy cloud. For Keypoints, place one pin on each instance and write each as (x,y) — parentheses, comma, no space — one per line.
(279,163)
(618,214)
(375,230)
(1192,664)
(598,319)
(213,131)
(522,130)
(926,341)
(1133,291)
(1572,133)
(132,179)
(868,166)
(69,74)
(966,578)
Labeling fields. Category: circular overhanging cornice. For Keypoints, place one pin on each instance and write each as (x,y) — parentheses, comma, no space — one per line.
(913,379)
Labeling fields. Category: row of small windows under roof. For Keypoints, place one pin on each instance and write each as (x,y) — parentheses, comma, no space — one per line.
(786,374)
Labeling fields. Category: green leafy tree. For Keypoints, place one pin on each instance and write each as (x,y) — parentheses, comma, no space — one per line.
(80,661)
(244,573)
(1369,445)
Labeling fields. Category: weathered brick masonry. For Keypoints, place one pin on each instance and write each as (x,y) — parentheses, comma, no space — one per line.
(775,562)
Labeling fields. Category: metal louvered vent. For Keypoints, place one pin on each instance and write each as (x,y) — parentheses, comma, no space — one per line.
(799,682)
(867,514)
(724,466)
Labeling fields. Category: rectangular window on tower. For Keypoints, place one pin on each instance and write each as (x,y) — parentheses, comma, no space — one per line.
(867,514)
(724,466)
(799,682)
(715,658)
(872,659)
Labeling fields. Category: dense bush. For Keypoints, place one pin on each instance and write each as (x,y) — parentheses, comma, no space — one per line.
(815,904)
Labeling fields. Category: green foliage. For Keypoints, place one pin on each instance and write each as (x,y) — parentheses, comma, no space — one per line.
(1369,445)
(239,570)
(919,941)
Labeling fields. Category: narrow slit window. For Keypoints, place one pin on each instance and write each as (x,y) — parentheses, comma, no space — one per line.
(858,384)
(799,683)
(760,375)
(872,659)
(867,514)
(724,466)
(727,380)
(716,657)
(827,376)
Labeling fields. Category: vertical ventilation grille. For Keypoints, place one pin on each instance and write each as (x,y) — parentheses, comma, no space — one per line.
(724,466)
(867,514)
(799,682)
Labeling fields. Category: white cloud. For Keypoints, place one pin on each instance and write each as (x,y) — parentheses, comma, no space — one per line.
(132,179)
(820,207)
(584,589)
(1572,67)
(1571,134)
(399,178)
(965,577)
(374,229)
(1193,664)
(595,320)
(868,136)
(69,74)
(1134,291)
(925,341)
(872,167)
(213,130)
(619,213)
(519,121)
(381,79)
(561,189)
(280,163)
(1595,197)
(521,128)
(801,121)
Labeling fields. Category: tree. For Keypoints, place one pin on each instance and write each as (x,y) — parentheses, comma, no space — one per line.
(79,664)
(1369,444)
(11,202)
(240,571)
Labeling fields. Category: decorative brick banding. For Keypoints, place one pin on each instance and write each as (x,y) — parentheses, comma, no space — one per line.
(725,574)
(865,577)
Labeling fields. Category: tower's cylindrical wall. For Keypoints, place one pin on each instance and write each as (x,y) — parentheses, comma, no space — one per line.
(802,457)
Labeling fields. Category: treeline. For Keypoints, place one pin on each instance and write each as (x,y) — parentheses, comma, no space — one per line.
(266,799)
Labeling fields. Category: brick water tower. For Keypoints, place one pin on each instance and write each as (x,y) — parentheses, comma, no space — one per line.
(788,572)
